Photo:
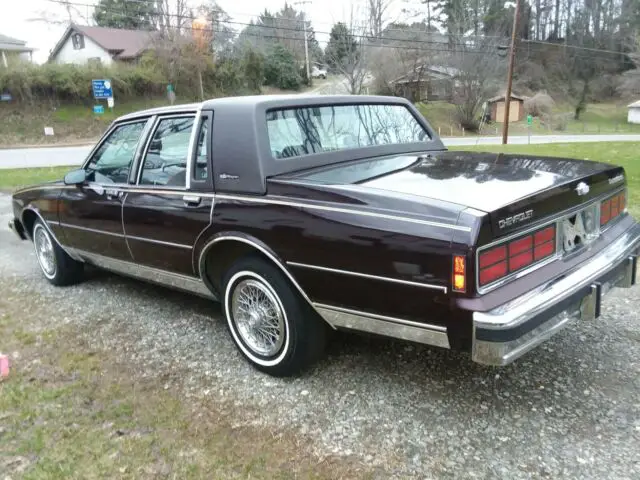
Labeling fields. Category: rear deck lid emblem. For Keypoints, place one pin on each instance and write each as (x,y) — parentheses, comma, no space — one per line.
(582,188)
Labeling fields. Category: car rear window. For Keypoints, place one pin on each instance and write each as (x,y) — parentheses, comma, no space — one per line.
(295,132)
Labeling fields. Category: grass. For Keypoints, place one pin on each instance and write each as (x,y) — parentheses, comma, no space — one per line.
(24,125)
(70,411)
(13,178)
(598,118)
(625,154)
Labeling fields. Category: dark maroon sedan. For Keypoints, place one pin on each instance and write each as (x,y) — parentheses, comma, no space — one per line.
(303,214)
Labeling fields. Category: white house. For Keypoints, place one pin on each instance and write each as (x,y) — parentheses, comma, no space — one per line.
(634,112)
(82,44)
(12,47)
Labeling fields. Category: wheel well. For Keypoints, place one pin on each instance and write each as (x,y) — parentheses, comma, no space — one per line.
(29,218)
(221,256)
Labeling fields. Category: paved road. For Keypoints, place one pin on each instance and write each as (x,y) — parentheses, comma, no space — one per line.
(70,156)
(569,410)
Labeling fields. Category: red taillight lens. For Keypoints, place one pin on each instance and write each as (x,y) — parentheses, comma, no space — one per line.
(515,255)
(612,207)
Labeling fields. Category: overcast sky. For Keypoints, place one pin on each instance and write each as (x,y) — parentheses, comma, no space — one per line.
(19,21)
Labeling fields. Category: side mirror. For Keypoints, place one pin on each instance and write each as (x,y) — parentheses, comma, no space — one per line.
(75,177)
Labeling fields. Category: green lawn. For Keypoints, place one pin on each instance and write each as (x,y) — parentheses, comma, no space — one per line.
(24,125)
(598,118)
(626,154)
(13,178)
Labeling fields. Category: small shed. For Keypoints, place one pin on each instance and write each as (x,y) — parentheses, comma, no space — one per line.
(496,108)
(634,112)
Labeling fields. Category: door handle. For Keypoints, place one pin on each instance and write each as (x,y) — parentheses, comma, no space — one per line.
(191,200)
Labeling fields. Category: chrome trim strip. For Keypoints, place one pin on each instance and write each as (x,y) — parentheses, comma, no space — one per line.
(43,187)
(159,242)
(257,246)
(121,235)
(428,334)
(312,206)
(368,276)
(152,130)
(149,274)
(93,230)
(192,140)
(124,231)
(114,124)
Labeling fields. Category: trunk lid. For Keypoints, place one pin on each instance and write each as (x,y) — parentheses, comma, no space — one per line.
(515,190)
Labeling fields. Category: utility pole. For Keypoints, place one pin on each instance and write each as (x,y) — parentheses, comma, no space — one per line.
(512,55)
(306,46)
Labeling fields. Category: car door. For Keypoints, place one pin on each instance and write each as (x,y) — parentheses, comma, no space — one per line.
(172,201)
(91,214)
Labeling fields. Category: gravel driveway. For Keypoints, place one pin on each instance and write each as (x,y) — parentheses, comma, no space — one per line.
(571,409)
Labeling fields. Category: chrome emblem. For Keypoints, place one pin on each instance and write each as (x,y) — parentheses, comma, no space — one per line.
(517,218)
(616,179)
(582,188)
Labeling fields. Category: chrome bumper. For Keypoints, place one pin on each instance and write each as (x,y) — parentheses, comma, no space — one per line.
(509,331)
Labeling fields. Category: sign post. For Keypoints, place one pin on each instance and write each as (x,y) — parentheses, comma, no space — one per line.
(529,123)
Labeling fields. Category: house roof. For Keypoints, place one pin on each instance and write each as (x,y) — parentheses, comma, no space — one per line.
(497,98)
(119,42)
(422,71)
(13,44)
(634,105)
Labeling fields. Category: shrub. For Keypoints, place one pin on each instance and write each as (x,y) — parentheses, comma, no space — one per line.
(280,69)
(539,105)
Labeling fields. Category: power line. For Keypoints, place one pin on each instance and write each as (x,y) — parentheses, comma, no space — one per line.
(353,35)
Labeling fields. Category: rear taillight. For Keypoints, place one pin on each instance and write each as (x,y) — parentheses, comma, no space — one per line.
(459,273)
(612,207)
(515,255)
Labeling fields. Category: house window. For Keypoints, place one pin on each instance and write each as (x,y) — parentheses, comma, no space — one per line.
(94,61)
(78,41)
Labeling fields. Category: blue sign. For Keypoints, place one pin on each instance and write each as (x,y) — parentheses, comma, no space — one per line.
(102,88)
(98,109)
(5,97)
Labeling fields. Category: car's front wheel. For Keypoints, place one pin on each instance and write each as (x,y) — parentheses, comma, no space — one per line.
(272,326)
(56,265)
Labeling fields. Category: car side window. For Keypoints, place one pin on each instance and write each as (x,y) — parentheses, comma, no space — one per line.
(111,163)
(165,161)
(201,172)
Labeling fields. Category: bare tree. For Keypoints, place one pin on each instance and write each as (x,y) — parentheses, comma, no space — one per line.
(479,70)
(377,15)
(348,53)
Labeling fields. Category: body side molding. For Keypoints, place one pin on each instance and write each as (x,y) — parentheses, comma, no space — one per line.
(369,276)
(150,274)
(425,333)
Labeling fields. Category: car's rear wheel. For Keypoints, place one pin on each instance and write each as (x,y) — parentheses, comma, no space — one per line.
(272,326)
(56,265)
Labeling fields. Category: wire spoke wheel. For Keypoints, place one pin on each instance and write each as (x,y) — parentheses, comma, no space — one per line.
(259,317)
(44,251)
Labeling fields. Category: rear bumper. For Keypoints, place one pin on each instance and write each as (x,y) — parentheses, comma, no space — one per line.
(509,331)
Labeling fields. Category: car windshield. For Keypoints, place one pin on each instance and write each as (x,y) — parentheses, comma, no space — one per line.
(302,131)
